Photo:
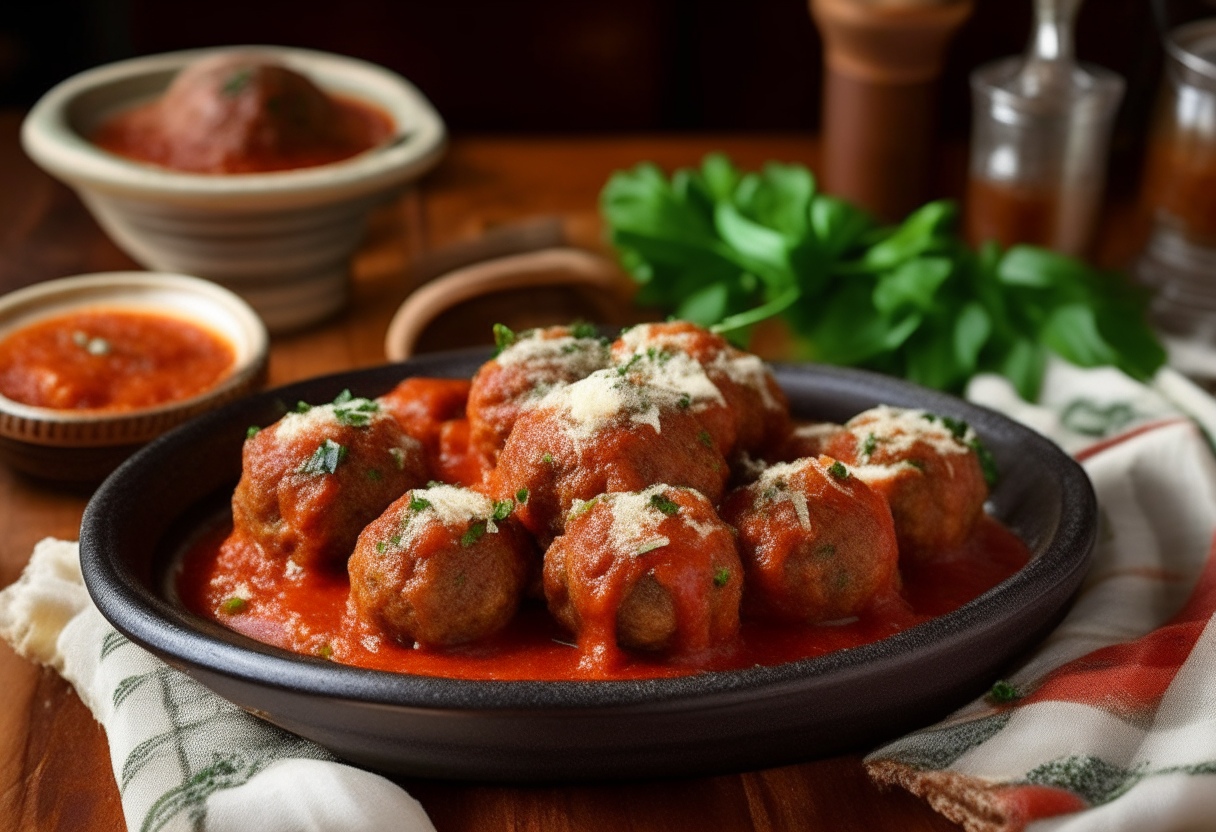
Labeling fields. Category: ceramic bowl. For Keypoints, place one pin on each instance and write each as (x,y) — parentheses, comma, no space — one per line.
(281,240)
(143,518)
(85,446)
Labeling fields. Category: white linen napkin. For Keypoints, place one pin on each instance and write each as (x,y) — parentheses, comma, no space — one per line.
(1111,724)
(184,758)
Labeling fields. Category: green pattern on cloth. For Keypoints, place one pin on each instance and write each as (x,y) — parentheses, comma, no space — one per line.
(1098,781)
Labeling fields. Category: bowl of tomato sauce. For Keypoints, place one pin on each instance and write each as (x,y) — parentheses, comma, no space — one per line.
(93,367)
(252,166)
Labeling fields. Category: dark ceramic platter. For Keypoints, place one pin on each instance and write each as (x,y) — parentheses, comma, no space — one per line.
(139,521)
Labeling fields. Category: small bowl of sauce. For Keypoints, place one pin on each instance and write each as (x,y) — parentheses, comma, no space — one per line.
(93,367)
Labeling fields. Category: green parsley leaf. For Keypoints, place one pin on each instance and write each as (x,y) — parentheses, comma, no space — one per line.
(503,338)
(325,651)
(651,546)
(521,496)
(867,447)
(398,456)
(252,431)
(374,475)
(668,507)
(837,470)
(1003,693)
(582,329)
(474,534)
(502,509)
(705,439)
(325,459)
(303,407)
(234,605)
(418,503)
(987,462)
(721,577)
(547,458)
(685,402)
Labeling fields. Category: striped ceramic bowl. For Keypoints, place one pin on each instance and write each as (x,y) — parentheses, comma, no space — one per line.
(84,446)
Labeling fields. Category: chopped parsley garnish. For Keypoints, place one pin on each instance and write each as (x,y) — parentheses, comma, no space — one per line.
(303,407)
(837,470)
(252,431)
(418,504)
(521,496)
(502,509)
(349,410)
(825,551)
(381,546)
(398,456)
(583,330)
(721,577)
(434,483)
(628,365)
(503,338)
(664,505)
(395,540)
(234,605)
(651,546)
(474,534)
(868,446)
(915,463)
(958,427)
(374,475)
(581,507)
(705,439)
(547,458)
(1003,693)
(325,651)
(237,81)
(987,461)
(325,459)
(685,402)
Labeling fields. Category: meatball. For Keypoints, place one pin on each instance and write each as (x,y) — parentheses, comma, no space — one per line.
(442,566)
(652,570)
(311,481)
(604,433)
(927,467)
(817,543)
(531,365)
(761,411)
(237,113)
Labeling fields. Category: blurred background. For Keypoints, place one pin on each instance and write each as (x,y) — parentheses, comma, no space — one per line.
(556,66)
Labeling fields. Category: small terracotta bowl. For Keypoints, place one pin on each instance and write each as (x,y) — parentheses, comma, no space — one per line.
(282,240)
(84,446)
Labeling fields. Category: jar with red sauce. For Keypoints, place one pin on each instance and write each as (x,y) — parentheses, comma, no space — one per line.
(1180,189)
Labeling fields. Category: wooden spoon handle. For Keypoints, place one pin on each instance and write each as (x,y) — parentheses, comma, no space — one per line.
(547,267)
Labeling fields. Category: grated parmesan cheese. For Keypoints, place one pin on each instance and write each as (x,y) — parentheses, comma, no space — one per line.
(605,398)
(899,429)
(774,486)
(746,370)
(635,520)
(571,357)
(455,507)
(295,426)
(677,372)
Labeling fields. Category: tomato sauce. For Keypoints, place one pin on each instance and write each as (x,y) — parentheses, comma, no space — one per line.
(111,360)
(136,135)
(307,613)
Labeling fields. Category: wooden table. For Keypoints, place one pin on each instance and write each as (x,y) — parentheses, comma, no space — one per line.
(54,762)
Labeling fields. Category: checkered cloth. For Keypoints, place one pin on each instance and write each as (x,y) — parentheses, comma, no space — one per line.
(1111,724)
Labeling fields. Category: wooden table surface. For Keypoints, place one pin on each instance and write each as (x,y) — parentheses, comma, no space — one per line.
(54,763)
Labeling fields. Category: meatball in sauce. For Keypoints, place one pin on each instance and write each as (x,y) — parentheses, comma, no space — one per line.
(311,481)
(757,402)
(530,366)
(604,433)
(817,543)
(442,566)
(927,467)
(652,570)
(240,113)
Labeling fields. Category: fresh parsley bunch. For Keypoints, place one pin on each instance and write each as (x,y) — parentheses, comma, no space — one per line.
(729,249)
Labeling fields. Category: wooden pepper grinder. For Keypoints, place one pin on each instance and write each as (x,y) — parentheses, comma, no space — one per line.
(882,60)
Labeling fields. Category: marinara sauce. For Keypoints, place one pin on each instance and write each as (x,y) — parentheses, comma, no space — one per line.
(226,579)
(111,360)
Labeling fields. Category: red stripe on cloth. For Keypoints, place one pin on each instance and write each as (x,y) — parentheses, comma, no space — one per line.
(1023,804)
(1130,678)
(1107,444)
